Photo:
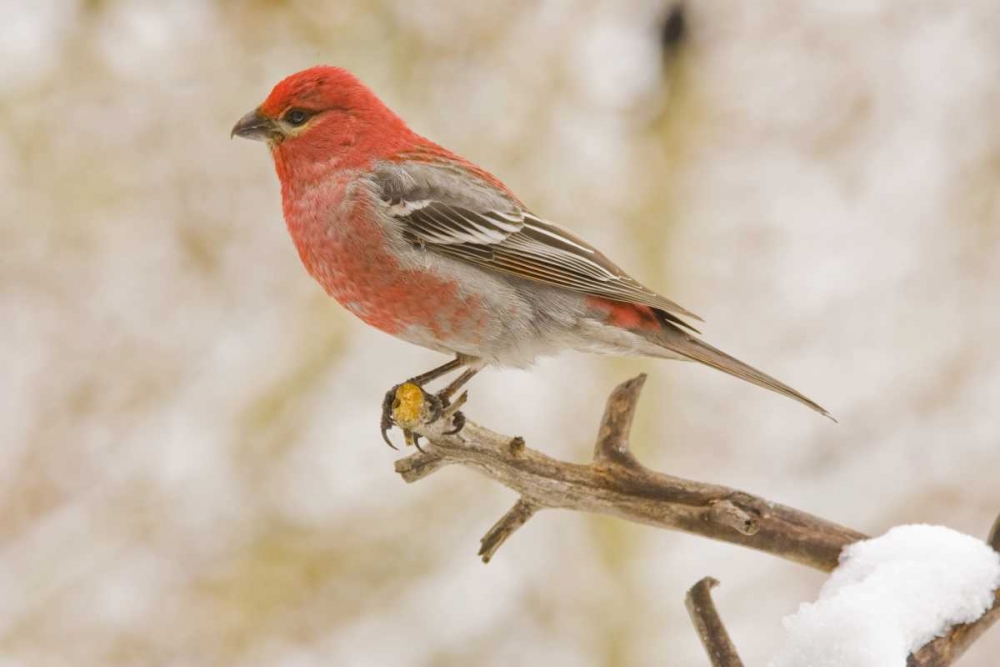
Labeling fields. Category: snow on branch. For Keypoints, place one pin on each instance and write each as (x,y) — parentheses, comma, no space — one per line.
(892,595)
(616,484)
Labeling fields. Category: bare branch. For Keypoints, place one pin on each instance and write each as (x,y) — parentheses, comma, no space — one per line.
(516,517)
(616,484)
(728,513)
(711,631)
(612,437)
(418,466)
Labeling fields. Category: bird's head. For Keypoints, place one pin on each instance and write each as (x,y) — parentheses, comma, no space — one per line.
(323,114)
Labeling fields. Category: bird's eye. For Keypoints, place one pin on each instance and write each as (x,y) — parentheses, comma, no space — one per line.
(296,117)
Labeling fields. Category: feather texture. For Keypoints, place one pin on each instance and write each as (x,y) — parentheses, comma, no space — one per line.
(508,238)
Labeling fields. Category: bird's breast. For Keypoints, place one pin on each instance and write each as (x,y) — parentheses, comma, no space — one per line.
(348,251)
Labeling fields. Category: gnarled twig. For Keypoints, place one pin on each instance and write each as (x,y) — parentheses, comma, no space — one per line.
(708,623)
(616,484)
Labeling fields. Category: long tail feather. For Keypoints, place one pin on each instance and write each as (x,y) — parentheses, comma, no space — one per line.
(679,342)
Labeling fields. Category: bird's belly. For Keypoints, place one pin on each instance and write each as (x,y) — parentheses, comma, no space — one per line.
(416,306)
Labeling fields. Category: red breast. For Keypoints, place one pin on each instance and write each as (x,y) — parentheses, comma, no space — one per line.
(345,250)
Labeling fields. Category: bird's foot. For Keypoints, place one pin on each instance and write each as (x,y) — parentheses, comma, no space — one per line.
(452,412)
(386,422)
(408,405)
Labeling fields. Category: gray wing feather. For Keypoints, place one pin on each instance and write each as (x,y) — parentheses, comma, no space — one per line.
(481,225)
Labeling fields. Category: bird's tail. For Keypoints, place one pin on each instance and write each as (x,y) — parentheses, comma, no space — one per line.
(679,343)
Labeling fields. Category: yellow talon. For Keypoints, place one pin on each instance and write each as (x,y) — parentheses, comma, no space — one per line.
(408,408)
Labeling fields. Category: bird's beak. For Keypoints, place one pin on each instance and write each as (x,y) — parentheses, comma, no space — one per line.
(255,126)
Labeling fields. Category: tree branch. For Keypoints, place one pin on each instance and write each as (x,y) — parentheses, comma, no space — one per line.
(949,648)
(516,517)
(708,623)
(616,484)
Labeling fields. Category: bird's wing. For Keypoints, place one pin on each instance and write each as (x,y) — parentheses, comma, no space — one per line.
(483,226)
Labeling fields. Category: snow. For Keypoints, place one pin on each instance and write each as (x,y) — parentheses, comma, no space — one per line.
(890,596)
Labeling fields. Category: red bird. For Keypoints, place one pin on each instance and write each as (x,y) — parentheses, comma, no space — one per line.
(426,246)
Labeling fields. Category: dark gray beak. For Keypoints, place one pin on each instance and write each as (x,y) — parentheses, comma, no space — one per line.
(255,126)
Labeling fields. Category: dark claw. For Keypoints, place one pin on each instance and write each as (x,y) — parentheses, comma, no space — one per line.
(385,436)
(416,443)
(437,406)
(457,423)
(386,423)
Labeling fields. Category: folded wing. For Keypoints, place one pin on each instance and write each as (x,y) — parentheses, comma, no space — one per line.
(502,236)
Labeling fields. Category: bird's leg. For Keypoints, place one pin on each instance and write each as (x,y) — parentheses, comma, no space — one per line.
(435,373)
(458,419)
(437,404)
(456,384)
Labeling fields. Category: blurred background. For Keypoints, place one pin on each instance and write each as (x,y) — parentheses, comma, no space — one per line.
(190,465)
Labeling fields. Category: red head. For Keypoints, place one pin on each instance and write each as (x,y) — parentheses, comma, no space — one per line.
(324,118)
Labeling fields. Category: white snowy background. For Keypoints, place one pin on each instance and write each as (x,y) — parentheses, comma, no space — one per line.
(190,469)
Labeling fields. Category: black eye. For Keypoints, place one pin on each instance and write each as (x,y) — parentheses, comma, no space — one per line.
(296,117)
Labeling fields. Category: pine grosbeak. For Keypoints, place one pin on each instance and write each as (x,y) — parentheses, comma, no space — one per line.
(426,246)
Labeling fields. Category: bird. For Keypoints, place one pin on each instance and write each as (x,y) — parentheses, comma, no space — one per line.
(429,247)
